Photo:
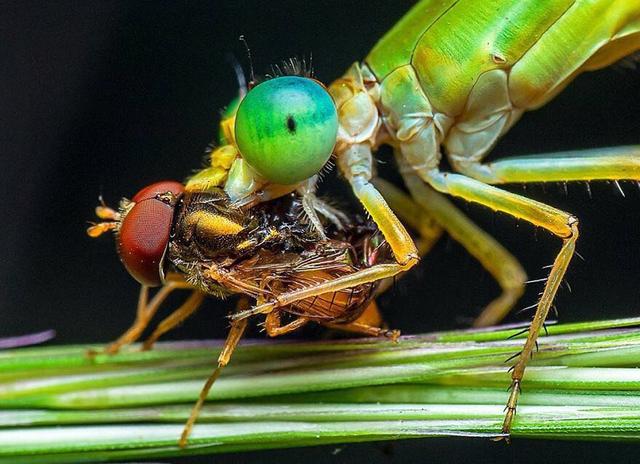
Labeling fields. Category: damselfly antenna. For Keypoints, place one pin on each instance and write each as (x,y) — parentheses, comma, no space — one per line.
(251,74)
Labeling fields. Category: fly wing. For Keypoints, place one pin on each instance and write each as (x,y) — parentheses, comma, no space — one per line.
(337,306)
(270,273)
(334,260)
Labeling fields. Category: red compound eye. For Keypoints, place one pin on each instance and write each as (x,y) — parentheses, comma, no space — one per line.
(144,232)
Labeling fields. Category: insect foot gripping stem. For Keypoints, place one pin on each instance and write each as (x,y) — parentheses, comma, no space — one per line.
(559,223)
(553,283)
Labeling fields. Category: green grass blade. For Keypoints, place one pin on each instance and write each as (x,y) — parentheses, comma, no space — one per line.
(58,405)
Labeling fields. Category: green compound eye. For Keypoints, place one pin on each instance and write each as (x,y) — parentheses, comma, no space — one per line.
(286,128)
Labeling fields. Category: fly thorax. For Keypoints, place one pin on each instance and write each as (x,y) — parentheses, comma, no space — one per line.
(207,227)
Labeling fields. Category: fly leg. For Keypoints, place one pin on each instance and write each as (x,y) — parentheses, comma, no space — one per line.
(234,336)
(144,313)
(558,222)
(371,316)
(190,306)
(364,329)
(274,328)
(369,323)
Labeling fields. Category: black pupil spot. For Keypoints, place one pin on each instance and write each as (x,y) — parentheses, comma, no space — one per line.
(291,124)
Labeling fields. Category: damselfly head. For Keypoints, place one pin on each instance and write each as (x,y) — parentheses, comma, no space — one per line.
(142,226)
(286,128)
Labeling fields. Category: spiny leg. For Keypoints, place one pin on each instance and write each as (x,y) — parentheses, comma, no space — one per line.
(611,163)
(501,264)
(313,206)
(562,224)
(337,217)
(355,163)
(234,336)
(417,218)
(413,216)
(495,258)
(308,192)
(190,306)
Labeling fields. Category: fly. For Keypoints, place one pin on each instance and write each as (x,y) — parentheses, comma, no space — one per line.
(200,241)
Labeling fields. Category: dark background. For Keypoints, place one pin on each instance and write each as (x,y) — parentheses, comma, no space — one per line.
(106,97)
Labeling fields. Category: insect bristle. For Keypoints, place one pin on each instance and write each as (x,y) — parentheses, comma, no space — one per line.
(294,66)
(326,169)
(211,146)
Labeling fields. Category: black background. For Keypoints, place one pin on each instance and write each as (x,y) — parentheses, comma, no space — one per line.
(106,97)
